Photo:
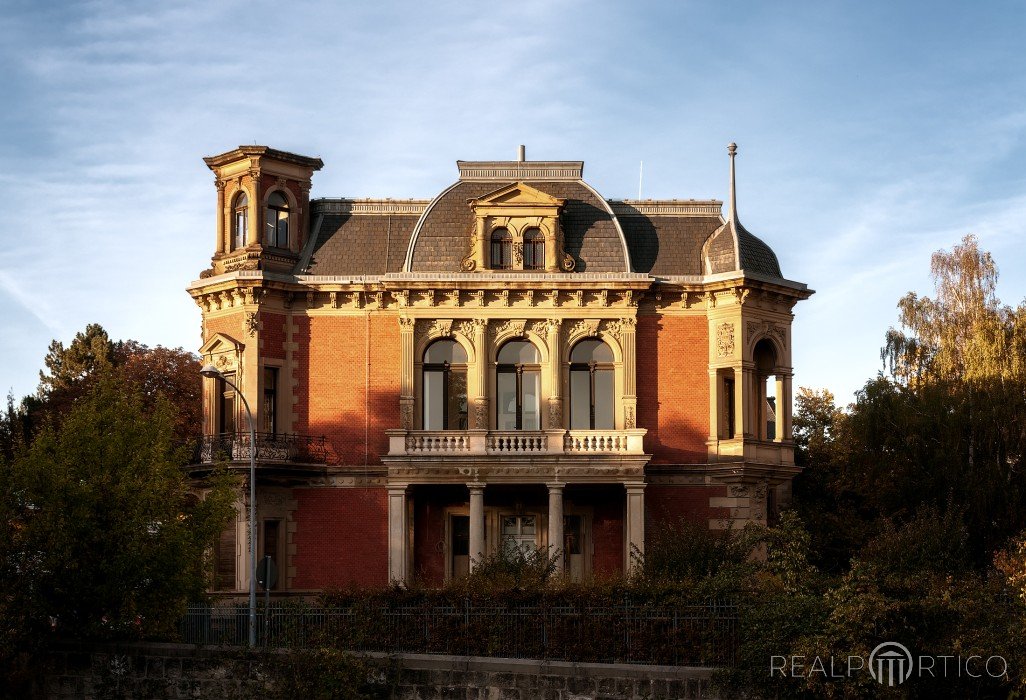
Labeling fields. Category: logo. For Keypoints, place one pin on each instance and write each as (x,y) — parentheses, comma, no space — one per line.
(890,663)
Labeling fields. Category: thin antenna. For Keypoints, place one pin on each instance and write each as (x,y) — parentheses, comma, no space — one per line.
(641,175)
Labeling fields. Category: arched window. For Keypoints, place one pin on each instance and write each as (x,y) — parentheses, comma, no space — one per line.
(445,386)
(502,249)
(534,249)
(241,220)
(591,386)
(518,387)
(277,221)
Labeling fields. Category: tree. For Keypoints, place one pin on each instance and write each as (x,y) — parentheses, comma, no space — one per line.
(100,533)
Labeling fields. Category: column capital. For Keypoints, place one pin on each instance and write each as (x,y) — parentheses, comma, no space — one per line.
(555,485)
(634,486)
(478,486)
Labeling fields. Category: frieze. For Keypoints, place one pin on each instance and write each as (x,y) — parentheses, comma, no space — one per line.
(585,327)
(440,327)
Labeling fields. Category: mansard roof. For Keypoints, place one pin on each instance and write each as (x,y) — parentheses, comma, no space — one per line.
(661,238)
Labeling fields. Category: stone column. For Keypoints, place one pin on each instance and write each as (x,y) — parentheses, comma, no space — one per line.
(406,398)
(749,407)
(477,529)
(628,335)
(635,523)
(556,523)
(784,405)
(480,245)
(740,410)
(480,409)
(397,533)
(716,409)
(222,240)
(554,420)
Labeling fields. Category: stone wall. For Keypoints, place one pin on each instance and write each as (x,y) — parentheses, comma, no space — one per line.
(186,671)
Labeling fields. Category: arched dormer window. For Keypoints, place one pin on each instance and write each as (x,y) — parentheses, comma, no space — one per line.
(518,387)
(534,249)
(502,249)
(240,221)
(591,386)
(277,221)
(445,386)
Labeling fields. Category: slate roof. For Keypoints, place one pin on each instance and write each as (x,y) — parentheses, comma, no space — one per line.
(663,238)
(361,244)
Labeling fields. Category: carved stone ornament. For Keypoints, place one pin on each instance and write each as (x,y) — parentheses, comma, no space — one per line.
(738,491)
(481,414)
(518,253)
(512,327)
(402,297)
(584,327)
(441,327)
(224,362)
(252,323)
(555,414)
(725,339)
(406,324)
(468,264)
(568,263)
(618,328)
(406,416)
(628,418)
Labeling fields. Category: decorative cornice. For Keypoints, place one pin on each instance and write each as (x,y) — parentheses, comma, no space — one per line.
(666,207)
(514,170)
(411,207)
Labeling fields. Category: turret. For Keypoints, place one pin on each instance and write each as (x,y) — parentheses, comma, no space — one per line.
(263,204)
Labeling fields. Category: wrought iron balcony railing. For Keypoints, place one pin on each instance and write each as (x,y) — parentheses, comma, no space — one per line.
(270,447)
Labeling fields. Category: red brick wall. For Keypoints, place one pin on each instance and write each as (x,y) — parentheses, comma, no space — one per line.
(673,387)
(272,335)
(669,503)
(335,398)
(231,325)
(341,537)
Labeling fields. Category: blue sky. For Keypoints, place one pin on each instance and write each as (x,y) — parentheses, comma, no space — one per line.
(870,134)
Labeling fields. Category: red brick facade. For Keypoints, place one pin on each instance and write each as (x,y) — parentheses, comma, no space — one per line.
(670,419)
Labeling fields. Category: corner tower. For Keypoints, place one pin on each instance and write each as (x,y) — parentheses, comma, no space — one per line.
(263,208)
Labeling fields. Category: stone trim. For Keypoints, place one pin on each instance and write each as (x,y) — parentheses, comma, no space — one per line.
(412,207)
(666,207)
(527,170)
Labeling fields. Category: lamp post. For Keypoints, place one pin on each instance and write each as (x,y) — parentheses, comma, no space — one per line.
(212,372)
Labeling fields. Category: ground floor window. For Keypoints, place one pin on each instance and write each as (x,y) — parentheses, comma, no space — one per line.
(520,532)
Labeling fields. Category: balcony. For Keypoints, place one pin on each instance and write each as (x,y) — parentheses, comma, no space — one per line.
(271,448)
(519,443)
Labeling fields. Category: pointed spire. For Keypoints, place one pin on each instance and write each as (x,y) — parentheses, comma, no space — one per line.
(732,211)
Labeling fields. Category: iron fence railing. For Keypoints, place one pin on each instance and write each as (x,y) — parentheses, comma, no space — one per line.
(704,635)
(270,447)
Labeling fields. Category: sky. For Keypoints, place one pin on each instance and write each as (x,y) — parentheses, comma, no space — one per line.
(869,135)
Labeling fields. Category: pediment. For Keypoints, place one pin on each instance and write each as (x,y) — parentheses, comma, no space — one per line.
(219,343)
(516,194)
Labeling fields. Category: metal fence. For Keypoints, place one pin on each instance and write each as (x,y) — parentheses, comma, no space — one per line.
(703,635)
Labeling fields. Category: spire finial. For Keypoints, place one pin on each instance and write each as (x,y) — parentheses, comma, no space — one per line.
(732,211)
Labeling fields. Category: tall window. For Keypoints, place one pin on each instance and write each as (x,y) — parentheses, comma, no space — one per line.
(225,405)
(270,400)
(518,387)
(729,407)
(224,556)
(502,249)
(591,386)
(241,220)
(534,249)
(445,386)
(277,221)
(272,536)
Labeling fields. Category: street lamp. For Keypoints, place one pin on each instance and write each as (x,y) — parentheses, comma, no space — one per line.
(212,372)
